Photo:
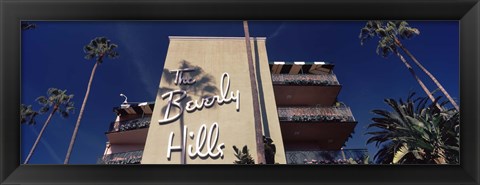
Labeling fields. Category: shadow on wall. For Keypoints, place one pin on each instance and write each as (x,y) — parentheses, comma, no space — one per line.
(202,86)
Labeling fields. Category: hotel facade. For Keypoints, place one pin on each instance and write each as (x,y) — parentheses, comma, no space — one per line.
(204,107)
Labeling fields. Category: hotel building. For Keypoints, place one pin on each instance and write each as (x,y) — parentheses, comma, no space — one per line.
(204,107)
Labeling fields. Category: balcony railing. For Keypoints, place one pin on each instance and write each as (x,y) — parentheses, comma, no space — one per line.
(305,79)
(132,157)
(132,124)
(315,114)
(346,156)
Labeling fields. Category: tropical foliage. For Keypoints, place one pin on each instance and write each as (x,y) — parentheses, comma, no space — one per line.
(389,34)
(387,44)
(98,48)
(243,155)
(58,101)
(27,114)
(416,132)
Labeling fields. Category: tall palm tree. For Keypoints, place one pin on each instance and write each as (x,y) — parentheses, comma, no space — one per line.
(391,31)
(407,32)
(415,132)
(256,105)
(59,102)
(386,46)
(27,114)
(98,48)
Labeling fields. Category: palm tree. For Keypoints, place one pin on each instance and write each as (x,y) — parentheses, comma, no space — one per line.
(98,48)
(243,156)
(385,154)
(256,106)
(416,133)
(389,31)
(57,100)
(386,45)
(406,32)
(27,114)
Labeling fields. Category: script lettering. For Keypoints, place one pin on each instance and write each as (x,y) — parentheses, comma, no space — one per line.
(179,79)
(175,103)
(207,102)
(211,140)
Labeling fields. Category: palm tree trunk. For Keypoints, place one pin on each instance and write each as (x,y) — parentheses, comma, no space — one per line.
(39,136)
(429,74)
(256,106)
(77,125)
(429,94)
(183,153)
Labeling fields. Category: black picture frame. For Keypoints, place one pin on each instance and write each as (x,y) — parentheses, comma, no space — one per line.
(13,11)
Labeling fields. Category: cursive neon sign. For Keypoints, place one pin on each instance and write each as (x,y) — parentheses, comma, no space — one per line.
(203,138)
(194,105)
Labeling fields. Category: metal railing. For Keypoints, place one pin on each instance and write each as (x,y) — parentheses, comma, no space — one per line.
(345,156)
(130,124)
(305,79)
(315,114)
(132,157)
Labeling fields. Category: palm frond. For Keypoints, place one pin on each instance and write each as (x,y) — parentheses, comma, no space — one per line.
(57,99)
(99,48)
(387,32)
(415,132)
(44,109)
(400,153)
(27,114)
(42,100)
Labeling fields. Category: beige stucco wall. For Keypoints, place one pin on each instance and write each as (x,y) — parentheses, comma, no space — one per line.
(269,100)
(214,56)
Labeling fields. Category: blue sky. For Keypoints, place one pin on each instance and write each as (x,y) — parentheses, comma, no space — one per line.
(52,56)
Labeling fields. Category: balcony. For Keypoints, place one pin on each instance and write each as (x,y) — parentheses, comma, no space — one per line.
(305,79)
(315,128)
(132,124)
(327,156)
(132,157)
(129,132)
(315,114)
(305,89)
